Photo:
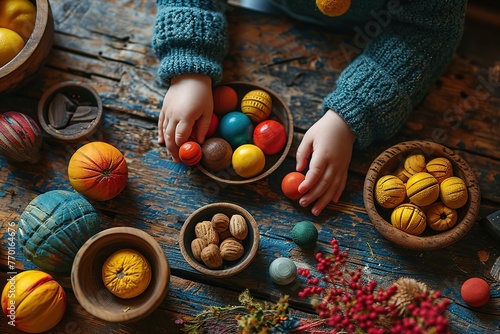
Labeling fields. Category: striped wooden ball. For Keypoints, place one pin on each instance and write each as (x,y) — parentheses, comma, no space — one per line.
(257,105)
(20,137)
(190,153)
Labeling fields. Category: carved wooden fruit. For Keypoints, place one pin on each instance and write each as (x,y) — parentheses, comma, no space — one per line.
(126,273)
(257,105)
(440,217)
(20,137)
(454,192)
(414,163)
(53,227)
(441,168)
(422,189)
(98,171)
(390,191)
(34,301)
(409,218)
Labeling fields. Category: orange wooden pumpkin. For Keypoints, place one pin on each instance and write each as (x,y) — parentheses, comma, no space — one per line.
(98,171)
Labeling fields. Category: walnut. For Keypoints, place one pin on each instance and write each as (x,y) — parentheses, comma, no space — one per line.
(197,245)
(211,256)
(238,227)
(231,249)
(201,228)
(220,222)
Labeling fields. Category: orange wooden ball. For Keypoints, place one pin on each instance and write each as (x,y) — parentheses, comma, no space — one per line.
(190,153)
(290,185)
(98,171)
(225,99)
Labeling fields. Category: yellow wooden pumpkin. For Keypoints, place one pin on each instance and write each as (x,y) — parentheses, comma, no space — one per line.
(126,273)
(390,191)
(454,192)
(440,217)
(422,189)
(441,168)
(409,218)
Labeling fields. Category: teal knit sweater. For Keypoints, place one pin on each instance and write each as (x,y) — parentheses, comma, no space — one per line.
(401,48)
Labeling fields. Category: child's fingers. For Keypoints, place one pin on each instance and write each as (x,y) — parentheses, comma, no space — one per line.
(161,139)
(303,153)
(182,132)
(202,126)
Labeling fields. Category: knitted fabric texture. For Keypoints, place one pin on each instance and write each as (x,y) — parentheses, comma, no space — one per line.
(399,48)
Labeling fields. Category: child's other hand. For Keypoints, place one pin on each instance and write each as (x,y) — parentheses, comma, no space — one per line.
(187,107)
(329,143)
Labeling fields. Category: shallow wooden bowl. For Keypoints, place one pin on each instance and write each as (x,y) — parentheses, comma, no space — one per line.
(229,268)
(281,113)
(87,281)
(30,59)
(81,94)
(393,158)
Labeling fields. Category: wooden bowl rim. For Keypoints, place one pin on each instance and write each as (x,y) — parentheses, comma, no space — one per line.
(220,273)
(137,312)
(41,22)
(48,95)
(406,240)
(286,149)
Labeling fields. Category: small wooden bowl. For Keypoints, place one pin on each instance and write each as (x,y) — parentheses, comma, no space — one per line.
(229,268)
(393,158)
(80,95)
(30,59)
(281,113)
(86,277)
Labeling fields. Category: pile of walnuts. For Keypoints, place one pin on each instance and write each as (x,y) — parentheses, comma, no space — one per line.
(219,239)
(422,194)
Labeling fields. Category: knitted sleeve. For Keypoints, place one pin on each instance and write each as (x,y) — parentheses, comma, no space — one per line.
(190,37)
(377,92)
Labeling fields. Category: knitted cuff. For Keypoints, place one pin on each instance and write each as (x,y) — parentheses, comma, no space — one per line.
(369,100)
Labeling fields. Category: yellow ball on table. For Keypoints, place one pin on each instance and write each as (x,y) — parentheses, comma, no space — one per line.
(248,160)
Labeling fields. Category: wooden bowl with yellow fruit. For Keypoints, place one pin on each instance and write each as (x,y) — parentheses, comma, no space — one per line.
(120,275)
(26,37)
(421,195)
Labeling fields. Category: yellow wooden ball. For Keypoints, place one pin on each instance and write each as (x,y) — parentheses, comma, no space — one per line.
(422,189)
(415,163)
(248,160)
(409,218)
(440,217)
(257,105)
(390,191)
(441,168)
(453,192)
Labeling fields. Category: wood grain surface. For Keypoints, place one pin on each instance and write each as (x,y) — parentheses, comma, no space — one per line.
(301,63)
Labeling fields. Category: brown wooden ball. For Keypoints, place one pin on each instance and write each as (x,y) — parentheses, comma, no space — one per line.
(216,154)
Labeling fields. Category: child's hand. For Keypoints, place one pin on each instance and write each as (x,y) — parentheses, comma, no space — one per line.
(186,112)
(329,143)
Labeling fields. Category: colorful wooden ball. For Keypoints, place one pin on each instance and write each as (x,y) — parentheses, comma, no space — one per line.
(190,153)
(475,292)
(236,128)
(20,137)
(257,105)
(248,160)
(283,271)
(225,99)
(216,154)
(270,136)
(290,185)
(305,234)
(214,124)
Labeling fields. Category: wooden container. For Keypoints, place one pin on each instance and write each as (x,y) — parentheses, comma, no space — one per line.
(30,59)
(279,112)
(88,285)
(206,213)
(392,159)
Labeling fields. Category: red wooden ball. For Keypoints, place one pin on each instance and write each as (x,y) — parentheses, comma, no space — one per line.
(290,185)
(269,136)
(190,153)
(475,292)
(225,99)
(214,124)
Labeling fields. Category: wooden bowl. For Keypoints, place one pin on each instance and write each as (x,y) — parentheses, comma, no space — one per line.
(30,59)
(77,95)
(393,158)
(229,268)
(281,113)
(87,281)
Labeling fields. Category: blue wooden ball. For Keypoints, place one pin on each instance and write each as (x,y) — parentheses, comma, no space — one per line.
(283,271)
(305,234)
(53,227)
(236,128)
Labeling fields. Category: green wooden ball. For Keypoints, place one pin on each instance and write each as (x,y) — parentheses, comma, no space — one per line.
(53,227)
(305,234)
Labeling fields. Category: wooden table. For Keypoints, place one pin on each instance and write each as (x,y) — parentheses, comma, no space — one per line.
(108,45)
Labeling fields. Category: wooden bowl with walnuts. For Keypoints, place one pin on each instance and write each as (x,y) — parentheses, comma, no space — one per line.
(421,195)
(219,239)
